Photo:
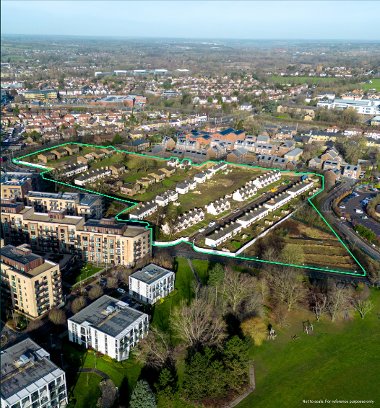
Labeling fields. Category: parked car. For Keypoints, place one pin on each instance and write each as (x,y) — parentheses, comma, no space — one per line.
(201,230)
(358,211)
(212,223)
(121,290)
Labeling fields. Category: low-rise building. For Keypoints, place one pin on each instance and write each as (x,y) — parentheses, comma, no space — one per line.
(108,326)
(218,206)
(30,379)
(151,283)
(92,176)
(71,170)
(164,199)
(223,234)
(294,154)
(352,171)
(143,210)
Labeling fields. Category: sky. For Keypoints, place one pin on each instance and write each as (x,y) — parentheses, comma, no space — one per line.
(351,20)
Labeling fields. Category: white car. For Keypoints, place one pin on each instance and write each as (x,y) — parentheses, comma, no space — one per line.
(359,211)
(212,223)
(120,290)
(201,230)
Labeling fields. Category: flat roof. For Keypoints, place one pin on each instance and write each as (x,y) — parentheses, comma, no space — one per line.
(151,273)
(112,322)
(22,365)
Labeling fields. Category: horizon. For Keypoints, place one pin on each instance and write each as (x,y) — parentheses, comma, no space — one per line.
(221,20)
(139,37)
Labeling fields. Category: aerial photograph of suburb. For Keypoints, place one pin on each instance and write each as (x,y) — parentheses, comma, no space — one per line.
(190,204)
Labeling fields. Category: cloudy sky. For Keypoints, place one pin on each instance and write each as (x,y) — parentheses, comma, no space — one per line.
(195,19)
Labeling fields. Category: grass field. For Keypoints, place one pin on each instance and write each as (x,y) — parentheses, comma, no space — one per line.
(374,85)
(339,361)
(303,80)
(184,280)
(123,374)
(81,399)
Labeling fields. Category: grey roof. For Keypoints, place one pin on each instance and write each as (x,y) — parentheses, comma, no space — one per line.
(12,252)
(150,273)
(222,232)
(22,365)
(113,323)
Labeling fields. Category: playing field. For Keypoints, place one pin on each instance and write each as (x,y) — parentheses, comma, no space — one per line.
(339,361)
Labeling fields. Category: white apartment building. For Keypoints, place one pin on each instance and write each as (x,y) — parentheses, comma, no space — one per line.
(362,106)
(109,326)
(151,283)
(30,379)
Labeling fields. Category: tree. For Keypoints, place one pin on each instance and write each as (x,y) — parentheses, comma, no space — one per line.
(186,99)
(154,350)
(235,358)
(338,300)
(256,329)
(117,139)
(108,394)
(239,293)
(142,396)
(286,286)
(57,316)
(318,304)
(198,324)
(362,306)
(166,384)
(95,292)
(201,366)
(78,304)
(112,282)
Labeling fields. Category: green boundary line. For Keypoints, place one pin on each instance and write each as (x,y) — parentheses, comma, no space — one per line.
(131,204)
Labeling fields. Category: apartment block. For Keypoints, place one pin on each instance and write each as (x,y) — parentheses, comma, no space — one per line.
(32,285)
(15,186)
(86,205)
(151,283)
(102,241)
(30,378)
(109,326)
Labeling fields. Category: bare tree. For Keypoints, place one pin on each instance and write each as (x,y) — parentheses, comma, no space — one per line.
(78,304)
(287,286)
(318,304)
(199,323)
(338,300)
(109,394)
(112,282)
(362,306)
(154,350)
(95,292)
(57,316)
(240,294)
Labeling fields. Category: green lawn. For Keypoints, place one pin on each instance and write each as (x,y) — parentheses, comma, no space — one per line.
(201,267)
(340,361)
(183,291)
(124,374)
(87,271)
(303,80)
(89,383)
(374,85)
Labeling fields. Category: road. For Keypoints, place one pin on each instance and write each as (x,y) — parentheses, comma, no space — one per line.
(345,227)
